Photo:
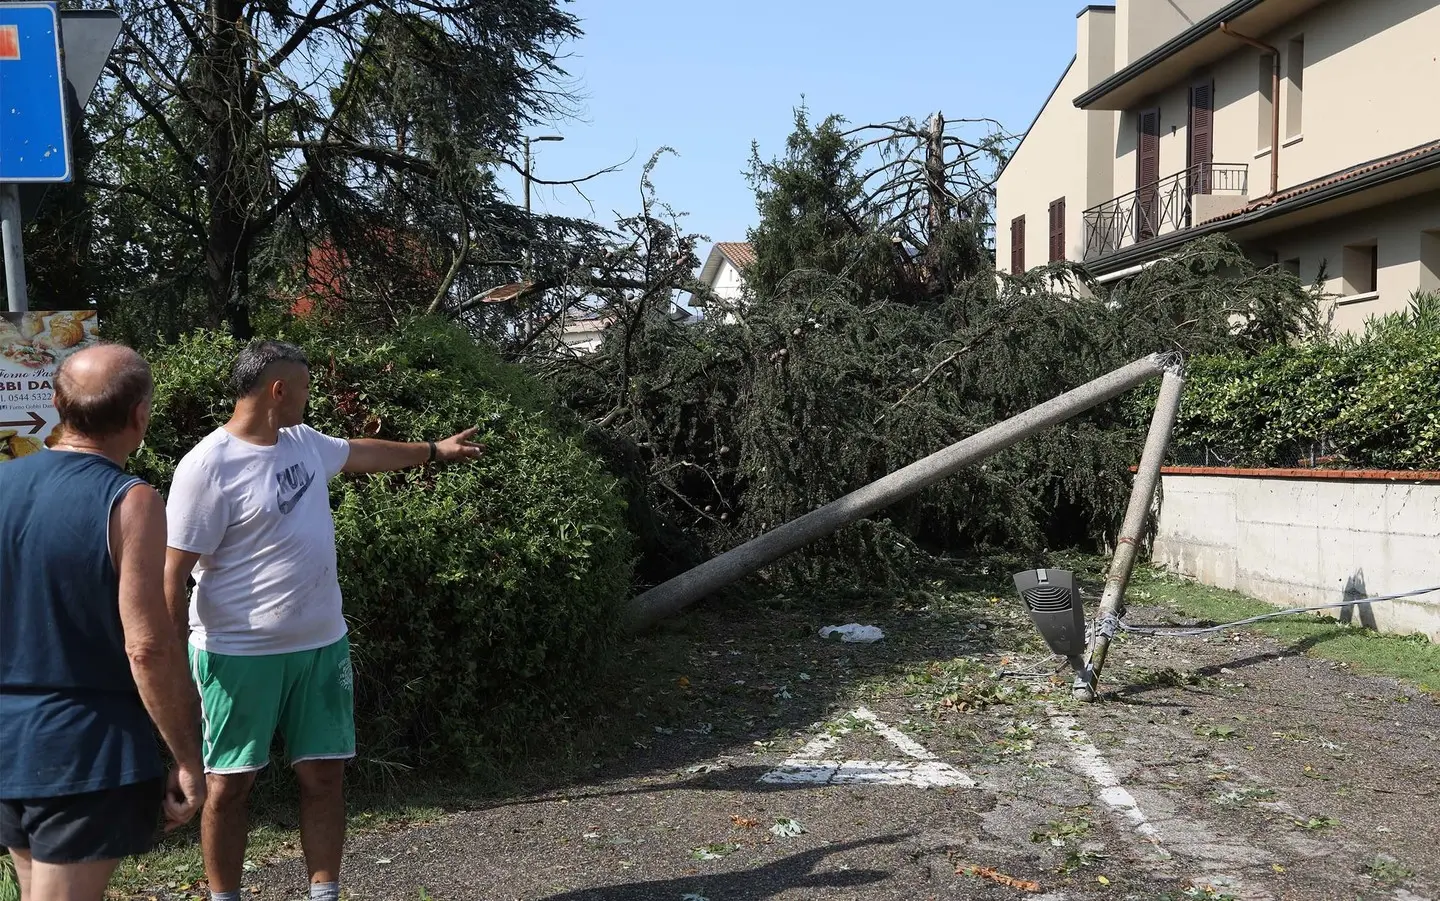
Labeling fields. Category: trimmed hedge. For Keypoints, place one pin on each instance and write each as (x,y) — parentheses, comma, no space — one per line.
(480,596)
(1371,401)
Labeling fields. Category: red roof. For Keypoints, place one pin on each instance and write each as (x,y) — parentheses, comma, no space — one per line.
(739,253)
(1333,178)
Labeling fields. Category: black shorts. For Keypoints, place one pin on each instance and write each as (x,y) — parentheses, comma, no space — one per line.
(99,825)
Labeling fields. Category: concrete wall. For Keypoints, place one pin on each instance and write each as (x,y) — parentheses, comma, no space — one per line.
(1306,540)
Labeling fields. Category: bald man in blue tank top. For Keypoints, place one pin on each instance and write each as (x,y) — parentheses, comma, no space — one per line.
(88,651)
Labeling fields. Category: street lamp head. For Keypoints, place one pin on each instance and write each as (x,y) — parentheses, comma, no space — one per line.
(547,138)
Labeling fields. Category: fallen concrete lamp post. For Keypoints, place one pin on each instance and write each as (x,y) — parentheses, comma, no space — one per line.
(1127,546)
(1049,595)
(672,596)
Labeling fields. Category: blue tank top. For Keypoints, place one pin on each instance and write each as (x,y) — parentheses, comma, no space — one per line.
(71,719)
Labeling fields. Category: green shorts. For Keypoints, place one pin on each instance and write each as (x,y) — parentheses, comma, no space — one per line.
(308,695)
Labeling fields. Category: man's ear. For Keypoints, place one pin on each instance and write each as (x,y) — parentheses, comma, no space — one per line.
(140,416)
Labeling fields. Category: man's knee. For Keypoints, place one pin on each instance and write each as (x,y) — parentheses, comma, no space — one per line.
(320,778)
(228,789)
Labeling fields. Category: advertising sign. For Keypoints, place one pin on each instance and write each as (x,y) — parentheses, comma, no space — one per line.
(32,346)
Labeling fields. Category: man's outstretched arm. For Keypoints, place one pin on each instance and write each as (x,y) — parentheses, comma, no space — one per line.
(374,455)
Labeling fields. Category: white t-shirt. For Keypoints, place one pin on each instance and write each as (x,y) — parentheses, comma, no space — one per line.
(259,517)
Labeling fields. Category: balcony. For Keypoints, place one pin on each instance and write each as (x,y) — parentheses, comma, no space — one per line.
(1176,202)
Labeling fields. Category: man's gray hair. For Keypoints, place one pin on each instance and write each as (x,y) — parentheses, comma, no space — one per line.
(102,404)
(251,363)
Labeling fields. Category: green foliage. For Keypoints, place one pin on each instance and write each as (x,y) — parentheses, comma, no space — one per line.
(9,881)
(480,596)
(804,200)
(818,389)
(368,135)
(1363,400)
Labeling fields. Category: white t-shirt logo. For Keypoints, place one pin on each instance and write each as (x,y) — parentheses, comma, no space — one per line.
(292,482)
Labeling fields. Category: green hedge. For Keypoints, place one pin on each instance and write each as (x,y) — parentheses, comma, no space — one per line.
(1367,401)
(480,596)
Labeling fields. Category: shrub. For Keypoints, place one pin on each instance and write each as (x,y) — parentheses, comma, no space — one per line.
(1357,401)
(480,596)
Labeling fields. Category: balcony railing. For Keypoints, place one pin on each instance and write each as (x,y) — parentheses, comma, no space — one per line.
(1159,208)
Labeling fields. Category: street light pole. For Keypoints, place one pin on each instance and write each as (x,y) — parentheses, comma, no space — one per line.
(529,256)
(528,139)
(527,179)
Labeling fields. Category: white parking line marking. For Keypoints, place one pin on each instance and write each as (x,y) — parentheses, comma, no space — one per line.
(815,765)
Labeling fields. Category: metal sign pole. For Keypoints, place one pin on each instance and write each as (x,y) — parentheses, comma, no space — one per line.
(14,249)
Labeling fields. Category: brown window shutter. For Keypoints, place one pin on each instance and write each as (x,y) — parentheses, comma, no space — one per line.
(1202,136)
(1057,230)
(1147,176)
(1017,245)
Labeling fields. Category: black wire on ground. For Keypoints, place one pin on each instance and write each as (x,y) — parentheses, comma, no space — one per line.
(1188,632)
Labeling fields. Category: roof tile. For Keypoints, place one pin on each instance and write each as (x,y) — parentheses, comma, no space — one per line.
(1332,178)
(739,253)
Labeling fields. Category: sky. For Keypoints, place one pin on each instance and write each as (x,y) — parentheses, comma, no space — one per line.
(709,78)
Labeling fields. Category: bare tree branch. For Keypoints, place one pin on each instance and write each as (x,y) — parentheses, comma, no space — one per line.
(161,123)
(136,191)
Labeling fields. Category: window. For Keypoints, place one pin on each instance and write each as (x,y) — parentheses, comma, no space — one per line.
(1362,268)
(1057,230)
(1017,245)
(1294,86)
(1430,261)
(1292,266)
(1267,101)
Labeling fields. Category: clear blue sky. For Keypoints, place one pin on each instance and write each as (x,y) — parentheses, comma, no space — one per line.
(707,78)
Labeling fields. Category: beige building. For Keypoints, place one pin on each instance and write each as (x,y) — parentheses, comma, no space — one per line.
(1306,130)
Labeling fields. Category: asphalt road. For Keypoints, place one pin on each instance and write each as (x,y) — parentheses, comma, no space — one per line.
(1229,768)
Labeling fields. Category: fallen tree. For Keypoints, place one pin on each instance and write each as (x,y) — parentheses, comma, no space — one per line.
(857,354)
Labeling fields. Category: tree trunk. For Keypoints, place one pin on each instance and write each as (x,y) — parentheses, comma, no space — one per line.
(938,208)
(935,174)
(223,101)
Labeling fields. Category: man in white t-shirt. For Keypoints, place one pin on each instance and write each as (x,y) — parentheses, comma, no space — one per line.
(249,516)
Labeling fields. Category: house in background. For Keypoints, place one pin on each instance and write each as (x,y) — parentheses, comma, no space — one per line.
(581,331)
(1305,130)
(724,274)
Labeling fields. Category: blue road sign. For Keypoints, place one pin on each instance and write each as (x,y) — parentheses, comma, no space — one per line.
(34,139)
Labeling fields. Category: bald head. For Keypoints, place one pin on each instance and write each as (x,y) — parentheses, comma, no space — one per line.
(98,389)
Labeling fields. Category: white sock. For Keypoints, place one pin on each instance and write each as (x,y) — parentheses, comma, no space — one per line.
(225,896)
(324,891)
